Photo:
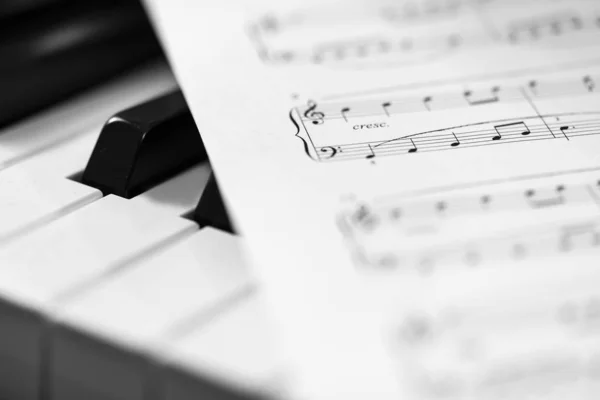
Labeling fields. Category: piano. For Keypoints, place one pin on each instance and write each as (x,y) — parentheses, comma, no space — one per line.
(121,276)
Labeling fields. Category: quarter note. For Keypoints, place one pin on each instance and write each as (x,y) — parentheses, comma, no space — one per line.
(317,117)
(372,153)
(456,142)
(563,130)
(533,85)
(414,148)
(589,83)
(385,107)
(344,111)
(426,102)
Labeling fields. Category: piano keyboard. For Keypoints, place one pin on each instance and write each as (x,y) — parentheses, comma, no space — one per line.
(116,282)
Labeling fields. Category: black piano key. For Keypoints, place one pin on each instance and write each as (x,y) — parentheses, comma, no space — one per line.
(211,210)
(14,8)
(60,52)
(143,146)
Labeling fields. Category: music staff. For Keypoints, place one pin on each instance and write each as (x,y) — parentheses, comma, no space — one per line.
(476,135)
(391,106)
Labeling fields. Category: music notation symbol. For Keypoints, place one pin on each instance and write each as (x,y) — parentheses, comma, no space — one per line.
(563,130)
(555,199)
(544,27)
(330,151)
(414,147)
(317,117)
(586,232)
(456,142)
(589,83)
(371,155)
(345,111)
(385,107)
(493,98)
(533,86)
(521,127)
(427,102)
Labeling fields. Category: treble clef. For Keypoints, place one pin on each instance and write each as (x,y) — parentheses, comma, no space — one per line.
(317,117)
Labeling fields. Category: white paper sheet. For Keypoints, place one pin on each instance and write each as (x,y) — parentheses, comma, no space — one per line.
(416,182)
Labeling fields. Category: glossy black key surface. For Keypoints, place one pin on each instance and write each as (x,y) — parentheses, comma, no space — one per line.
(211,210)
(143,146)
(50,55)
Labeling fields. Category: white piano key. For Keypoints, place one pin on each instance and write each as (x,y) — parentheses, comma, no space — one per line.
(40,270)
(233,349)
(29,200)
(83,113)
(65,159)
(140,308)
(179,194)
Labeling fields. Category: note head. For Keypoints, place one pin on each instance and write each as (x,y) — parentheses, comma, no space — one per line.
(412,150)
(497,137)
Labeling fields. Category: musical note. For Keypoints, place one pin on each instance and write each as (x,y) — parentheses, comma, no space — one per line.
(364,218)
(385,107)
(414,148)
(487,100)
(372,153)
(524,130)
(426,102)
(533,85)
(587,231)
(344,111)
(317,117)
(563,129)
(556,199)
(589,83)
(456,142)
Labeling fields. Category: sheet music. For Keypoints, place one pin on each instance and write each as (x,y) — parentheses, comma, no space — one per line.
(418,184)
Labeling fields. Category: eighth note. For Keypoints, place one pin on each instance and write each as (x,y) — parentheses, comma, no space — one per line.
(520,126)
(492,99)
(456,142)
(344,111)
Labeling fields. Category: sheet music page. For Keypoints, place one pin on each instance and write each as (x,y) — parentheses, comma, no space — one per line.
(417,182)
